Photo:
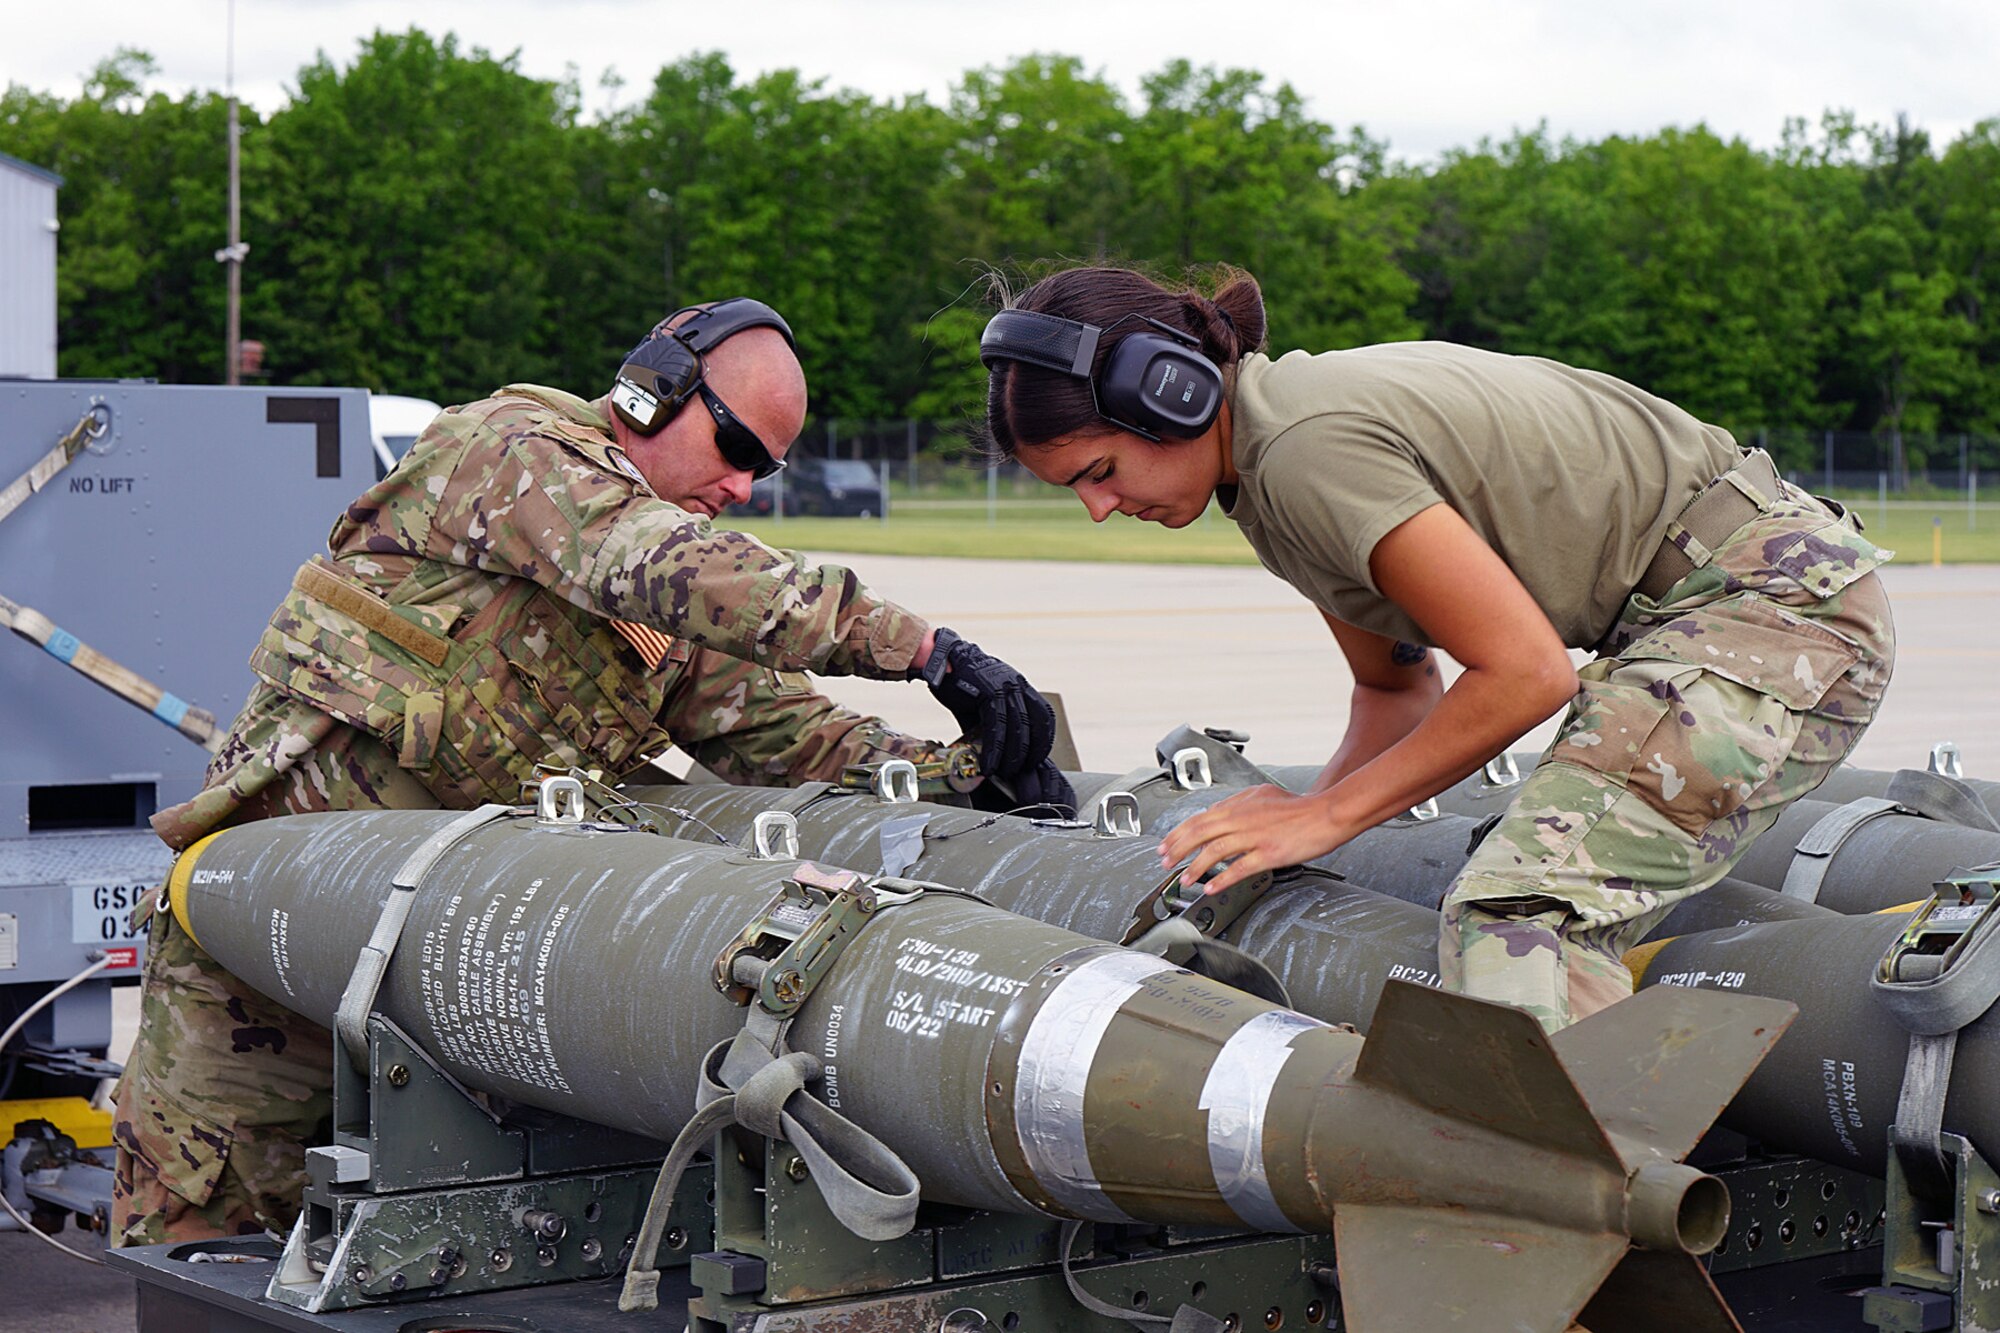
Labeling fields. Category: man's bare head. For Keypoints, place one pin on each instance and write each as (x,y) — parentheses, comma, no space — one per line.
(758,377)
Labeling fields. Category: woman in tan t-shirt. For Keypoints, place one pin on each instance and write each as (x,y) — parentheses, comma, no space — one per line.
(1502,509)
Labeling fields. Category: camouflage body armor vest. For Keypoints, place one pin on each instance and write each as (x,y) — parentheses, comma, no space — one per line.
(472,678)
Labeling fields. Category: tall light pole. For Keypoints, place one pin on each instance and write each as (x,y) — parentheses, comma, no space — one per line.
(231,256)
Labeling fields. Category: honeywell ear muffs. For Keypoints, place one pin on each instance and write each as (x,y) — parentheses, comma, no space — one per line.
(1156,383)
(661,373)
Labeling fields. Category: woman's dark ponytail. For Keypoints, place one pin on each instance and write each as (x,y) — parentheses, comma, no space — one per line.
(1241,303)
(1028,405)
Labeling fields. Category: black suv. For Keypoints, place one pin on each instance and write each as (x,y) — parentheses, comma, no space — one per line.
(830,486)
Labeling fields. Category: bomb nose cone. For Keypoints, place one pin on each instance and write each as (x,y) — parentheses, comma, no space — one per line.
(1676,1208)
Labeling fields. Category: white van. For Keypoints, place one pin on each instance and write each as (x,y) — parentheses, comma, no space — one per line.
(394,422)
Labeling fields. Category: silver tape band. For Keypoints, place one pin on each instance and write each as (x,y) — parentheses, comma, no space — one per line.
(1236,1095)
(1056,1056)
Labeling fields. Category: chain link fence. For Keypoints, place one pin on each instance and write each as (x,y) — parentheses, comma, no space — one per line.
(872,468)
(1906,464)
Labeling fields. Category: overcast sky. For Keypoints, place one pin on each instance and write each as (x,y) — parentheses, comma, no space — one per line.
(1423,74)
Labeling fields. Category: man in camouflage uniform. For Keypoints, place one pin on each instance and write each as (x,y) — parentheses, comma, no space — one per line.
(536,582)
(1707,711)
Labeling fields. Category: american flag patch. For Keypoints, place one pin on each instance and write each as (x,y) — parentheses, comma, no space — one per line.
(652,644)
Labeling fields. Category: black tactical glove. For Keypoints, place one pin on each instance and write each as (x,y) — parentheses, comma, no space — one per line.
(996,706)
(1040,793)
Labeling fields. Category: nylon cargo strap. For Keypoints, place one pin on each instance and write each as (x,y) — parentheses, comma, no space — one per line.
(1226,764)
(1941,797)
(869,1189)
(1815,852)
(351,1020)
(92,425)
(1910,792)
(1933,993)
(754,1082)
(1138,779)
(807,795)
(1185,1318)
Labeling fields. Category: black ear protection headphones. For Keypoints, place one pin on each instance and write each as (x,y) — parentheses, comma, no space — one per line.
(661,374)
(1153,384)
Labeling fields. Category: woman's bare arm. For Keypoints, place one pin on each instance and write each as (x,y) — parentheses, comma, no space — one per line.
(1517,672)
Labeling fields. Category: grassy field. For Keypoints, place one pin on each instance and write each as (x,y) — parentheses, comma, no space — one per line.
(1058,529)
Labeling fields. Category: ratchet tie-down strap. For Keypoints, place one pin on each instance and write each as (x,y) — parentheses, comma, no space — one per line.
(351,1019)
(1910,792)
(754,1082)
(1815,851)
(1933,1010)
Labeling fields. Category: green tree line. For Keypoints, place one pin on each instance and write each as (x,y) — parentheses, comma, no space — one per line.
(427,219)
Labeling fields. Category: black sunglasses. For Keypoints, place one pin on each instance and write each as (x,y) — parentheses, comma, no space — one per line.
(737,443)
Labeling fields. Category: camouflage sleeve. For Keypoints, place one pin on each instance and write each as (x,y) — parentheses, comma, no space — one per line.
(758,727)
(530,506)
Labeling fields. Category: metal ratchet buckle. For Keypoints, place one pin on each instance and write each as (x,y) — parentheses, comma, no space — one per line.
(796,938)
(902,781)
(1210,913)
(1943,929)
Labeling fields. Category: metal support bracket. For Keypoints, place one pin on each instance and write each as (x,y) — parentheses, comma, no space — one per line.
(1940,1245)
(987,1273)
(399,1115)
(426,1191)
(379,1249)
(1789,1208)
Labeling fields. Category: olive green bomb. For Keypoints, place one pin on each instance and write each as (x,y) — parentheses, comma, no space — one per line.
(1476,1172)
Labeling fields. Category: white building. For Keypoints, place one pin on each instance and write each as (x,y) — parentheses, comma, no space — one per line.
(27,269)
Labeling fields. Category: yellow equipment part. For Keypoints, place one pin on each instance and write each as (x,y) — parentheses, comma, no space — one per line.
(74,1116)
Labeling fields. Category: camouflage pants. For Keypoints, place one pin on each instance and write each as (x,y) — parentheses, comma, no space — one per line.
(1707,712)
(224,1088)
(219,1100)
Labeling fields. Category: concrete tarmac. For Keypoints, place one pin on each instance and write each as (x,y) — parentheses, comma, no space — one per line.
(42,1291)
(1136,650)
